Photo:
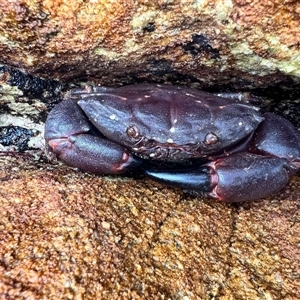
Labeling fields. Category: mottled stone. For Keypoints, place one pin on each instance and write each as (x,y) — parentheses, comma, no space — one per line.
(76,235)
(241,43)
(71,235)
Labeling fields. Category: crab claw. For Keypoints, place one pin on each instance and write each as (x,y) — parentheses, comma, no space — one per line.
(236,178)
(72,137)
(191,178)
(93,154)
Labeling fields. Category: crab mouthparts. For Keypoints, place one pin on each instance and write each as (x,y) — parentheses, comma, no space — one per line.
(164,151)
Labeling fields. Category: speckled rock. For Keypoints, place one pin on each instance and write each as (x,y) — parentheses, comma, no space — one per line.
(68,234)
(71,235)
(241,43)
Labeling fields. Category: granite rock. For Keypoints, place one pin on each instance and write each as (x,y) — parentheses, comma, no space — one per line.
(73,235)
(243,44)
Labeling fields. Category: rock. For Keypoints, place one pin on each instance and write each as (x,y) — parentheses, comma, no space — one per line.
(77,235)
(241,44)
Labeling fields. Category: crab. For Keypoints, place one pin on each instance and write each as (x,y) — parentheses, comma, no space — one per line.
(179,136)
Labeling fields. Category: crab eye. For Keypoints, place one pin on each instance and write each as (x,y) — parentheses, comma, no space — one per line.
(211,139)
(132,131)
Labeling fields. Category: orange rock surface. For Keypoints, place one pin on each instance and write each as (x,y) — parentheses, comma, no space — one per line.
(119,41)
(66,234)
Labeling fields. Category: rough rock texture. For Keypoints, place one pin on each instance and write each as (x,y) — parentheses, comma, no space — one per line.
(65,234)
(239,43)
(69,235)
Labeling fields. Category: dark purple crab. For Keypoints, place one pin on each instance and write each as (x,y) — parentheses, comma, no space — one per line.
(113,130)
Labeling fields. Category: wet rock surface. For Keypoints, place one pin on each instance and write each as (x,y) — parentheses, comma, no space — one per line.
(76,235)
(207,43)
(73,235)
